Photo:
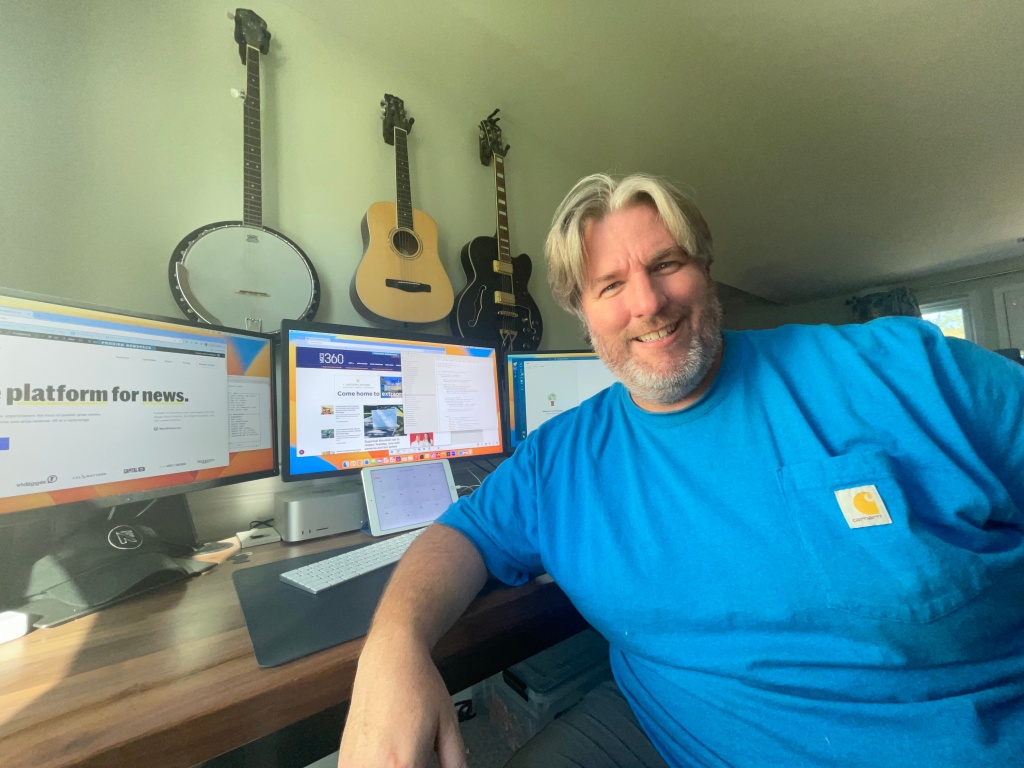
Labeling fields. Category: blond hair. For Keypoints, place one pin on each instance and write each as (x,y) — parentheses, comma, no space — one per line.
(596,196)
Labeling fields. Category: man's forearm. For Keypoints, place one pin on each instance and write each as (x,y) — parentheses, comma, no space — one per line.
(400,710)
(431,587)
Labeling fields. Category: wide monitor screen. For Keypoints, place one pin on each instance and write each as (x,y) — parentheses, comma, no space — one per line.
(542,385)
(359,397)
(104,407)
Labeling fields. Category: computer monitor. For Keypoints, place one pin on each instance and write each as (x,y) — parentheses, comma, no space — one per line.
(541,385)
(359,397)
(100,409)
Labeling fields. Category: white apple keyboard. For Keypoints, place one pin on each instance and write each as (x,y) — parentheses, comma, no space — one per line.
(324,574)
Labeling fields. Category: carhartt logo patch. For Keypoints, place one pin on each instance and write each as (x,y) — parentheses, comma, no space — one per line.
(863,506)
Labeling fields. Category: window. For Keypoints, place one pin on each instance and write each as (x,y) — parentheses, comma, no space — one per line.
(953,317)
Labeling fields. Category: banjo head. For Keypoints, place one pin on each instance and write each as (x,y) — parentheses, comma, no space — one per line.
(243,277)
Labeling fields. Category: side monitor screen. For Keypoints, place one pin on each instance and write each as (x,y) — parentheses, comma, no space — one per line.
(359,397)
(542,385)
(98,405)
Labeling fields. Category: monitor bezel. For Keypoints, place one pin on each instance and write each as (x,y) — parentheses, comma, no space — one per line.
(398,334)
(107,502)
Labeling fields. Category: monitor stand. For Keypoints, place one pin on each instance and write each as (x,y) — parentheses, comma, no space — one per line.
(113,555)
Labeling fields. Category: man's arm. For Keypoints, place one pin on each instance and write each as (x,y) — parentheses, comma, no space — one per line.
(401,710)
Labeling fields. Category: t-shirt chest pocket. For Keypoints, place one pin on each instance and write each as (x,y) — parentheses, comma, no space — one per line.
(872,556)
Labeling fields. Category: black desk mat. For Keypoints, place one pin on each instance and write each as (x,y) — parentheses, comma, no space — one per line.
(286,623)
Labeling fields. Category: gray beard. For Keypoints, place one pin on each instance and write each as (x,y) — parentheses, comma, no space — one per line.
(674,386)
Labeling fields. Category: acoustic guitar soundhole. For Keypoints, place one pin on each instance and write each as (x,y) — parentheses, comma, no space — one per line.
(405,243)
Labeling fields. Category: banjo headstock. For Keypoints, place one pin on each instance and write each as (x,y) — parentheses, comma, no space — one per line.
(251,32)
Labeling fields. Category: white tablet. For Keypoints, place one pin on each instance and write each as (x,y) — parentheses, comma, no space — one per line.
(400,497)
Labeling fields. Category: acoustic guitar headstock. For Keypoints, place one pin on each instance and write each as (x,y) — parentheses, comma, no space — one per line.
(393,111)
(490,139)
(251,31)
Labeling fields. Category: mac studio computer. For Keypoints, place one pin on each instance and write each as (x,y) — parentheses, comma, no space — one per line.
(541,385)
(106,419)
(360,397)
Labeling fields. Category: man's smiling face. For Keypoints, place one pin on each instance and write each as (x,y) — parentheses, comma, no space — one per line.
(650,309)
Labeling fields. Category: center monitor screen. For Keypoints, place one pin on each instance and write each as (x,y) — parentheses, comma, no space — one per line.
(359,397)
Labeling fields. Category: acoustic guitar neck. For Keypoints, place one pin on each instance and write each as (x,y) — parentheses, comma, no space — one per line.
(403,179)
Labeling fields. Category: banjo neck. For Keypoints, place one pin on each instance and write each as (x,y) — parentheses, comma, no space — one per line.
(252,197)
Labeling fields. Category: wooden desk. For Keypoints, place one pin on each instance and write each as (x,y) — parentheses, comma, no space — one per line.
(169,678)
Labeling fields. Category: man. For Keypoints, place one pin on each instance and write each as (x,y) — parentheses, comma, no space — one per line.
(805,546)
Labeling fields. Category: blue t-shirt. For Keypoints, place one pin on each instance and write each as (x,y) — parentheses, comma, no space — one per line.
(729,552)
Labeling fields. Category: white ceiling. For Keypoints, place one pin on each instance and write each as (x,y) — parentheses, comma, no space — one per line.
(833,146)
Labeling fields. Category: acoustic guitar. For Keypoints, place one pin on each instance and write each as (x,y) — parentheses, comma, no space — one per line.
(240,273)
(496,304)
(400,277)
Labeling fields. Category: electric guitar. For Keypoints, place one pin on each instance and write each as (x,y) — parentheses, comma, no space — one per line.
(495,305)
(400,277)
(240,273)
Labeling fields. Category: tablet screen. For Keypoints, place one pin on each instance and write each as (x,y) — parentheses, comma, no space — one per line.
(407,496)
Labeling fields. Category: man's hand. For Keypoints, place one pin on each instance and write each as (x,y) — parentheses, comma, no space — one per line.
(400,711)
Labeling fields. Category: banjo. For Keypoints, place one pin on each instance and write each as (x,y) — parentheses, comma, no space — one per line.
(242,274)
